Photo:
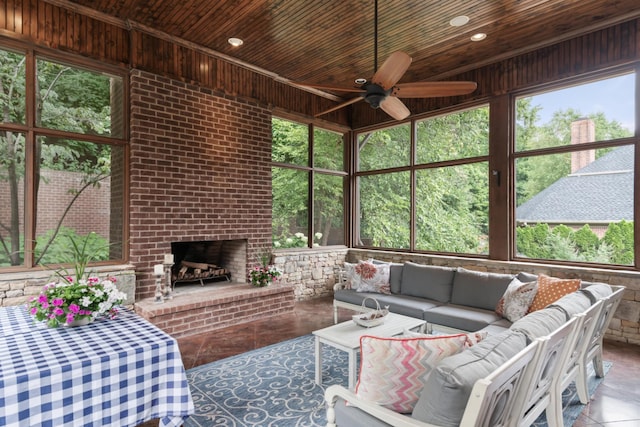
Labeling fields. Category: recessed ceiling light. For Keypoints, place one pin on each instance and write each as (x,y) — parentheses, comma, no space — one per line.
(234,41)
(459,21)
(477,37)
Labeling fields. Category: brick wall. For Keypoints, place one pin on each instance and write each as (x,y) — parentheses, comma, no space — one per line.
(200,170)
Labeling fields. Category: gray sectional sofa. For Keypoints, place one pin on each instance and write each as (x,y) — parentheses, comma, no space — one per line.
(462,300)
(449,299)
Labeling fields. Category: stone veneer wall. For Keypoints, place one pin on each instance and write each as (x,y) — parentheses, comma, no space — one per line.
(19,288)
(625,326)
(311,272)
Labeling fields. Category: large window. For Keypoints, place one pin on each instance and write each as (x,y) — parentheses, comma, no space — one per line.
(574,166)
(309,181)
(62,160)
(445,187)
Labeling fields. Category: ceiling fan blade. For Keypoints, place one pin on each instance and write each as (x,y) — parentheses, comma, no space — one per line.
(395,108)
(339,106)
(331,87)
(392,70)
(433,89)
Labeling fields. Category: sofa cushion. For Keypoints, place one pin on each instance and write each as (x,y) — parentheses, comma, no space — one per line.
(394,370)
(516,300)
(351,416)
(479,289)
(551,289)
(573,303)
(444,398)
(367,276)
(427,281)
(460,317)
(395,274)
(595,291)
(523,276)
(540,323)
(400,304)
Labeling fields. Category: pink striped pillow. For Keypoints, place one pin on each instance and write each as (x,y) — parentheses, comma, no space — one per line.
(393,371)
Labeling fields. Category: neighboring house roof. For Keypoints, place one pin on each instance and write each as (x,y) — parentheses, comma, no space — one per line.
(600,192)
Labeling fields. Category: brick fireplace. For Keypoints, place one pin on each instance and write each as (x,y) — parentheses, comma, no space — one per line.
(200,165)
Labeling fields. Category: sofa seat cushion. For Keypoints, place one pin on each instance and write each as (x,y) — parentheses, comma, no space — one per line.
(540,323)
(351,416)
(446,392)
(479,289)
(404,305)
(460,317)
(427,281)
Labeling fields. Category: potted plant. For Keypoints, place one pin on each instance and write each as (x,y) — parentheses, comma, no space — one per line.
(78,299)
(265,273)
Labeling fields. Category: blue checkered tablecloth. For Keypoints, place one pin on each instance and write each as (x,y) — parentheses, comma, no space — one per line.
(118,372)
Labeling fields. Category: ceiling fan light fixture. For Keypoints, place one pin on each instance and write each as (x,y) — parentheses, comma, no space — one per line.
(360,81)
(459,21)
(235,42)
(478,36)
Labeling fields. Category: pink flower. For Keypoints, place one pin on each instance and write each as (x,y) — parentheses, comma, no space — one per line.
(70,317)
(74,308)
(34,310)
(42,299)
(58,302)
(58,311)
(68,279)
(93,280)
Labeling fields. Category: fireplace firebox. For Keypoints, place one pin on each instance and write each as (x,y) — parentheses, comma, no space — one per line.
(209,261)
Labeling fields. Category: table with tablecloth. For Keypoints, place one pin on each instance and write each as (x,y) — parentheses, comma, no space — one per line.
(118,372)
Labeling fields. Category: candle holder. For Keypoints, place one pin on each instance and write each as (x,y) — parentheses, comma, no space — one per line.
(166,293)
(158,271)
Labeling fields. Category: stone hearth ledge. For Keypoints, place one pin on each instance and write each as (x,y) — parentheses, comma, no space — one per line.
(216,306)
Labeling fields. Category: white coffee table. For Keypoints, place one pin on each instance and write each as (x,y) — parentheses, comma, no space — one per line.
(345,336)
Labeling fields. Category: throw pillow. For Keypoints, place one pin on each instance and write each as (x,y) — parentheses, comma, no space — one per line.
(393,371)
(370,277)
(551,289)
(516,300)
(473,338)
(350,275)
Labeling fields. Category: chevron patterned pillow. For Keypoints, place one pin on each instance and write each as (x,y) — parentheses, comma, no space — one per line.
(393,371)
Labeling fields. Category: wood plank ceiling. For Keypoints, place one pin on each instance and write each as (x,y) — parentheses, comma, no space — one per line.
(332,41)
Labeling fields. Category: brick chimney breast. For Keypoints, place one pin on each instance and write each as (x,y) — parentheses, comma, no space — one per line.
(582,130)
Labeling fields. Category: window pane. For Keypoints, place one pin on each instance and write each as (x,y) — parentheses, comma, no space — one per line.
(328,150)
(290,194)
(12,196)
(385,210)
(452,208)
(290,142)
(328,210)
(12,75)
(79,101)
(78,192)
(454,136)
(545,120)
(385,148)
(576,206)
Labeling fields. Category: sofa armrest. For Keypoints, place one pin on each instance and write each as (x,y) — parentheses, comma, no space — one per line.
(388,416)
(341,282)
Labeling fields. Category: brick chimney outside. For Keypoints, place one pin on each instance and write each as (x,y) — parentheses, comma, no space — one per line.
(582,130)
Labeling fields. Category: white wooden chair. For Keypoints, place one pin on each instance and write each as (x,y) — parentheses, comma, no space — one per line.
(489,405)
(586,323)
(593,348)
(547,364)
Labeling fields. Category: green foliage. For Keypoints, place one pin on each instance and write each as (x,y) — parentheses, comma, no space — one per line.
(562,243)
(70,247)
(620,237)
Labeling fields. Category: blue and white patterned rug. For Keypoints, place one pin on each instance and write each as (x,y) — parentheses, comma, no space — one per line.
(275,386)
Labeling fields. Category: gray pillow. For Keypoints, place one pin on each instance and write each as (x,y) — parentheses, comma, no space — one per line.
(573,303)
(540,323)
(427,281)
(479,289)
(444,397)
(527,277)
(596,291)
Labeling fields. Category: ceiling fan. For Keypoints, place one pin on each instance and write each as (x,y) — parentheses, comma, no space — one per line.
(383,90)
